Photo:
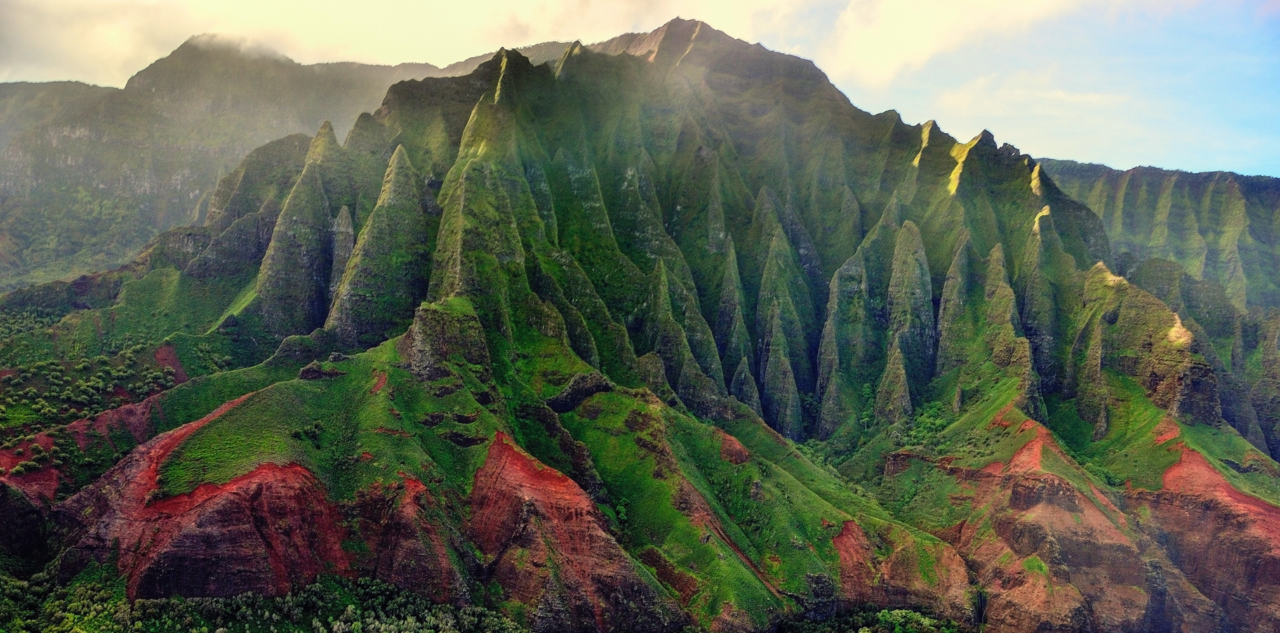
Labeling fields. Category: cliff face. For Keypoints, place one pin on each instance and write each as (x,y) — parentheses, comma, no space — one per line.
(104,169)
(1218,226)
(546,337)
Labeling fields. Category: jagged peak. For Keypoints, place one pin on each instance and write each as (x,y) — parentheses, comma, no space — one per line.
(571,51)
(342,223)
(765,220)
(932,135)
(960,254)
(400,182)
(1040,182)
(1100,272)
(909,237)
(516,70)
(984,139)
(665,45)
(324,145)
(660,291)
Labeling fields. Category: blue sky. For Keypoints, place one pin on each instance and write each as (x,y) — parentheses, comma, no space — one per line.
(1196,88)
(1184,84)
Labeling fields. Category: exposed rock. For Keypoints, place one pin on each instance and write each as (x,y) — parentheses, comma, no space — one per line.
(240,248)
(955,328)
(733,339)
(743,387)
(293,284)
(779,396)
(440,331)
(911,306)
(386,277)
(314,371)
(212,541)
(1038,296)
(344,242)
(581,387)
(528,520)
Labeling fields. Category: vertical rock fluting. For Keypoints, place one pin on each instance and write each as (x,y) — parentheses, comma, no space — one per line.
(344,242)
(911,322)
(731,326)
(784,311)
(893,396)
(843,349)
(293,283)
(1037,292)
(955,324)
(386,276)
(779,396)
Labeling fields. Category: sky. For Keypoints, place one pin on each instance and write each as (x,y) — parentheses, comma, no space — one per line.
(1179,84)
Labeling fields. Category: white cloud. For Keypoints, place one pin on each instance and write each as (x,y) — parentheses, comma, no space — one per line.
(876,40)
(102,41)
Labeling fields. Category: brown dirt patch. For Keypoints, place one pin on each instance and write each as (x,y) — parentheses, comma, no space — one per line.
(167,356)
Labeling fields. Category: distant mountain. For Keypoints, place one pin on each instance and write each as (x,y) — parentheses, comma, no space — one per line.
(89,174)
(1219,226)
(666,334)
(24,106)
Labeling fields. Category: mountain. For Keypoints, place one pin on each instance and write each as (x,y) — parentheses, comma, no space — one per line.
(24,106)
(1218,226)
(89,174)
(666,334)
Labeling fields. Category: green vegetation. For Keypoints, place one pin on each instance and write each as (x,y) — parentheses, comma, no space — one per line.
(871,620)
(95,603)
(621,337)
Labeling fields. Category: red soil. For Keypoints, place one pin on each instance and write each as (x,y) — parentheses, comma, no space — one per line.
(381,382)
(529,519)
(167,356)
(265,531)
(1194,475)
(37,485)
(1166,430)
(1027,459)
(731,450)
(999,419)
(856,569)
(135,418)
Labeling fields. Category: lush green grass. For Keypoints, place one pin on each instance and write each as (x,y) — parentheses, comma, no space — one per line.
(630,443)
(1129,450)
(337,427)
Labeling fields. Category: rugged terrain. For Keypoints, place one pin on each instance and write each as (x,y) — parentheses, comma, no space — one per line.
(89,174)
(665,333)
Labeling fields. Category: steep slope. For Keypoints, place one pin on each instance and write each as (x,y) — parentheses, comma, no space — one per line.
(146,157)
(27,105)
(1219,226)
(666,333)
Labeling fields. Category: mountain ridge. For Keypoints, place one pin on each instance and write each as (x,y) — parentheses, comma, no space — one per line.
(698,343)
